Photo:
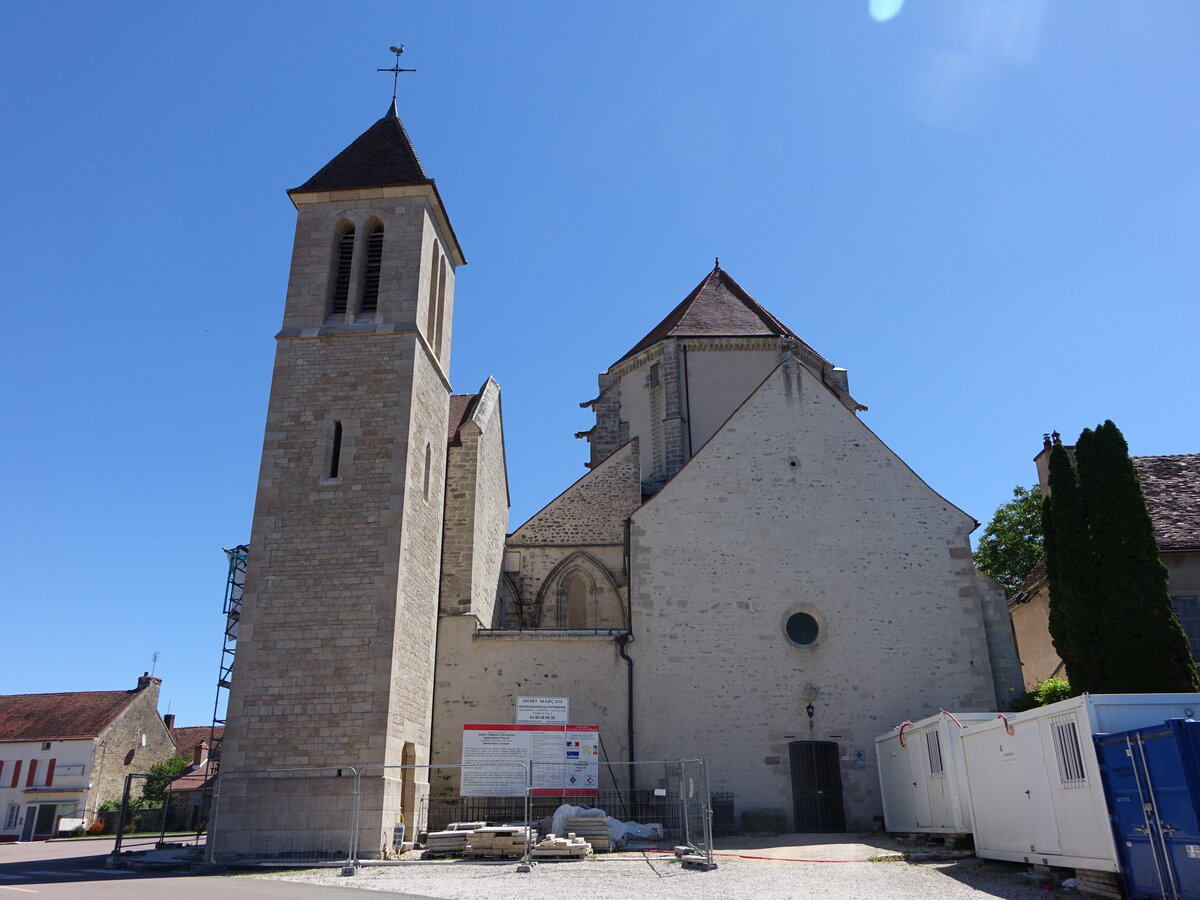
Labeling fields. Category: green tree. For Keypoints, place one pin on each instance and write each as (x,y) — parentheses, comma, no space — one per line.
(1012,542)
(1070,568)
(154,791)
(1146,648)
(1111,617)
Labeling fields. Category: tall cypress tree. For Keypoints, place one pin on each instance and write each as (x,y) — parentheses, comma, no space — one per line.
(1142,646)
(1070,568)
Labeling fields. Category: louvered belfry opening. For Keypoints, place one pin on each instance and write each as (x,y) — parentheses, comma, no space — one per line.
(370,293)
(341,278)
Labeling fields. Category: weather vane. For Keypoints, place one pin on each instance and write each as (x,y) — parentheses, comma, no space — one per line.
(396,70)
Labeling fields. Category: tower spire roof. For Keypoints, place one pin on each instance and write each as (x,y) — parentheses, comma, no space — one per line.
(382,156)
(717,307)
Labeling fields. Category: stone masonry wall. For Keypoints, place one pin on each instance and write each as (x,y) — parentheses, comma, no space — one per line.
(476,511)
(795,506)
(606,436)
(119,750)
(415,632)
(480,676)
(315,638)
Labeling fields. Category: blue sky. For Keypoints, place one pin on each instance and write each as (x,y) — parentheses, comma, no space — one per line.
(988,211)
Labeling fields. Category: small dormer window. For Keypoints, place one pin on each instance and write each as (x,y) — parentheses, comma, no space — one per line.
(341,275)
(370,291)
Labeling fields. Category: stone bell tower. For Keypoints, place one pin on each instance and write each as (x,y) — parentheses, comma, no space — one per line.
(339,617)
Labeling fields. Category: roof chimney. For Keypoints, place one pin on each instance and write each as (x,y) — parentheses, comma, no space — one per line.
(169,720)
(200,754)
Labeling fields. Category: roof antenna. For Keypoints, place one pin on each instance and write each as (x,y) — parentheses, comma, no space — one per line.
(396,70)
(153,662)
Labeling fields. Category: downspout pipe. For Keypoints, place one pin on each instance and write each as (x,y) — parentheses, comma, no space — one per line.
(687,402)
(623,641)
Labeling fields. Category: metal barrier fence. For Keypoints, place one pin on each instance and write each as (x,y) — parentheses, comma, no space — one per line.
(351,815)
(139,816)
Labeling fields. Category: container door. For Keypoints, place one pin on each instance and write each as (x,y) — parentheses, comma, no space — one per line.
(920,778)
(1183,813)
(1036,780)
(936,796)
(896,779)
(816,786)
(1172,760)
(1145,786)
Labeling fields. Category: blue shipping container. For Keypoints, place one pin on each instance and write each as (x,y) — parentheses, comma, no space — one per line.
(1152,784)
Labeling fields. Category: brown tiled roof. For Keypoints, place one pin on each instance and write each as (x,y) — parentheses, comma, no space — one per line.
(382,156)
(718,307)
(60,717)
(1172,488)
(460,410)
(192,781)
(190,737)
(1032,583)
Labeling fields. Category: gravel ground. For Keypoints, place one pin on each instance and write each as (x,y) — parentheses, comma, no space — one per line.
(661,876)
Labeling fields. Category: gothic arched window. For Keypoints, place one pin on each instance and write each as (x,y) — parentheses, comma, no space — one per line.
(574,601)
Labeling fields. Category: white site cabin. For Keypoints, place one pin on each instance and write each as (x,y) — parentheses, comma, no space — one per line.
(1036,794)
(922,776)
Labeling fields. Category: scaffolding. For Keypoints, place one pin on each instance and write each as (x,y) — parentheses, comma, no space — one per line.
(235,583)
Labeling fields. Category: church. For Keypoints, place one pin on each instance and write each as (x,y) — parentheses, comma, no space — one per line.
(743,569)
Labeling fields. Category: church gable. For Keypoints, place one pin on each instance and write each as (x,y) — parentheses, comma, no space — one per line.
(804,440)
(591,511)
(808,585)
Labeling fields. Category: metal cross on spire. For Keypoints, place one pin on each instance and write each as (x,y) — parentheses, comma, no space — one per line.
(396,70)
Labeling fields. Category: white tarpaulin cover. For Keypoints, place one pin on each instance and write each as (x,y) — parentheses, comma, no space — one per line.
(617,830)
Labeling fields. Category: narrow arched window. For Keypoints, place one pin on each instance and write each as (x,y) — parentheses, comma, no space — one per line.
(370,288)
(428,468)
(341,272)
(335,451)
(441,307)
(431,312)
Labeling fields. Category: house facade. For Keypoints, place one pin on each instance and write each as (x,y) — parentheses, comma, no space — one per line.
(62,755)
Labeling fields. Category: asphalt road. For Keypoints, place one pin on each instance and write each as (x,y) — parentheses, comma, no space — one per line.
(70,869)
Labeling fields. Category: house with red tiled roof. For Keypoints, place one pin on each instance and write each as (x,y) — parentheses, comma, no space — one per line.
(1171,485)
(61,755)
